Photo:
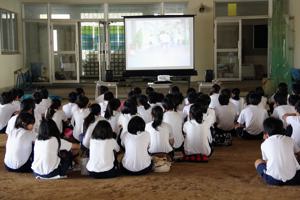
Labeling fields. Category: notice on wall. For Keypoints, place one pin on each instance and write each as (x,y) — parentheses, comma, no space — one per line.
(232,9)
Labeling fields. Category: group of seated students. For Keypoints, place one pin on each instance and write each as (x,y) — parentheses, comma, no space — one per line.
(127,136)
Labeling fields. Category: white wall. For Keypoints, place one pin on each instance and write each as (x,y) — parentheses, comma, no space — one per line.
(294,11)
(10,63)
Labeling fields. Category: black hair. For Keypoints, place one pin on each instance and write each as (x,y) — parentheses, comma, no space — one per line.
(56,103)
(174,90)
(135,125)
(283,88)
(103,131)
(82,101)
(80,92)
(6,97)
(44,92)
(17,93)
(196,112)
(103,89)
(95,110)
(152,96)
(143,100)
(293,99)
(189,90)
(204,100)
(37,96)
(235,93)
(167,104)
(254,98)
(23,120)
(129,107)
(296,88)
(280,98)
(27,105)
(148,90)
(226,92)
(72,97)
(137,91)
(260,91)
(192,97)
(108,96)
(157,114)
(273,126)
(160,97)
(177,99)
(112,105)
(48,129)
(223,99)
(215,89)
(297,106)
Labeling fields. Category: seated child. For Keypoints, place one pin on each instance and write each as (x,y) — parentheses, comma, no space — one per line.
(46,101)
(136,141)
(70,107)
(250,121)
(19,152)
(214,96)
(279,165)
(144,108)
(129,110)
(7,109)
(102,90)
(112,114)
(237,101)
(102,162)
(264,100)
(293,120)
(198,138)
(107,97)
(17,94)
(52,155)
(161,137)
(281,107)
(55,113)
(192,98)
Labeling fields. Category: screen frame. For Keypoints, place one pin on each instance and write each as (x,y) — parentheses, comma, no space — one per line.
(155,72)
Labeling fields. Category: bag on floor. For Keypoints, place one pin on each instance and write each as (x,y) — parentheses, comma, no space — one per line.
(222,139)
(161,163)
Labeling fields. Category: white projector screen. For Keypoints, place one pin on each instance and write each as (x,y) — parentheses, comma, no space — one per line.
(159,43)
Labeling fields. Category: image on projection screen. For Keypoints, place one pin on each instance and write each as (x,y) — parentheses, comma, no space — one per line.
(159,43)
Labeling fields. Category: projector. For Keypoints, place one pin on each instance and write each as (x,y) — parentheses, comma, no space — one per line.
(164,78)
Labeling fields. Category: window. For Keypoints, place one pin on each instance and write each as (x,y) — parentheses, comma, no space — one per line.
(177,8)
(8,32)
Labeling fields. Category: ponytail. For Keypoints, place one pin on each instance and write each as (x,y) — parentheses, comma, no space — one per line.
(157,114)
(56,103)
(143,100)
(112,105)
(95,110)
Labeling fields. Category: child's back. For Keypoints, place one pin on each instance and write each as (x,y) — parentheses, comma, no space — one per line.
(174,119)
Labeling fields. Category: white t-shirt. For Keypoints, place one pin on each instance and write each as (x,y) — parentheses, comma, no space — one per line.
(253,117)
(58,117)
(226,115)
(210,117)
(6,112)
(279,111)
(197,138)
(294,121)
(88,134)
(145,114)
(136,157)
(46,157)
(46,102)
(77,121)
(103,106)
(69,109)
(124,120)
(238,105)
(214,100)
(39,112)
(102,155)
(186,110)
(18,147)
(11,124)
(17,105)
(113,120)
(264,103)
(100,98)
(160,138)
(175,121)
(279,152)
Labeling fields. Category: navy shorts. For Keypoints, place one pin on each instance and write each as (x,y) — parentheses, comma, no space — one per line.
(261,170)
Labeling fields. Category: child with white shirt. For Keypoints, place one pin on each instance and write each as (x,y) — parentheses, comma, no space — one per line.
(70,107)
(107,97)
(19,152)
(197,141)
(136,141)
(264,100)
(103,146)
(214,95)
(52,155)
(237,101)
(293,121)
(7,109)
(189,90)
(112,114)
(192,98)
(56,114)
(79,115)
(281,107)
(161,136)
(129,110)
(279,165)
(174,119)
(46,101)
(27,106)
(250,121)
(102,90)
(17,94)
(39,110)
(90,123)
(144,108)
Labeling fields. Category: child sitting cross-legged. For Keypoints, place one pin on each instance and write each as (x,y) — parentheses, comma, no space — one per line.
(279,165)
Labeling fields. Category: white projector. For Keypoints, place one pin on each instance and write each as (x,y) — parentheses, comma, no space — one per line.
(162,78)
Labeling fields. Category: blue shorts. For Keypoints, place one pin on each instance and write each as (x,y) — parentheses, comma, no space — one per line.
(262,168)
